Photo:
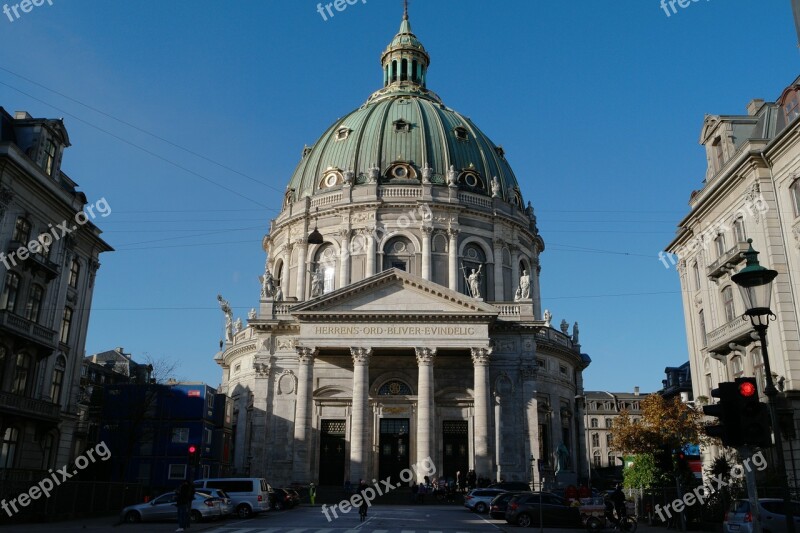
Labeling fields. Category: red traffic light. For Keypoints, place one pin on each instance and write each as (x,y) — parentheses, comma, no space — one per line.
(192,448)
(747,389)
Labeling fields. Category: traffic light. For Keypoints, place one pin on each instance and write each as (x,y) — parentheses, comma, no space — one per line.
(193,453)
(663,459)
(754,419)
(681,463)
(727,430)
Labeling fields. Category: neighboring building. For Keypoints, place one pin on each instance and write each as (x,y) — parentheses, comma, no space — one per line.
(678,383)
(148,429)
(751,190)
(602,408)
(369,352)
(45,296)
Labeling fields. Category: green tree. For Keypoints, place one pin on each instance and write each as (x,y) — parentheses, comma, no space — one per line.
(643,473)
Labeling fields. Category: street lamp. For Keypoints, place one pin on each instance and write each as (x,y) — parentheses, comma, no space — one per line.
(315,237)
(755,284)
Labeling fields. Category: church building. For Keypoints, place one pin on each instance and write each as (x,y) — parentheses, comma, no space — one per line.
(400,315)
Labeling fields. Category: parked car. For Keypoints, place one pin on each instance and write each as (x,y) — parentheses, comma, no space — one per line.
(478,500)
(523,510)
(295,496)
(281,499)
(165,508)
(497,507)
(516,486)
(225,502)
(248,495)
(739,518)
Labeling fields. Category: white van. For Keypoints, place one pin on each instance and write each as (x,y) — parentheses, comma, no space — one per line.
(249,496)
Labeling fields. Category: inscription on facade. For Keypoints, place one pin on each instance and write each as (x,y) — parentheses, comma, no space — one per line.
(396,331)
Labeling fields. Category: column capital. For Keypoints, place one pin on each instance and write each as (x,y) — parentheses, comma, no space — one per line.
(302,241)
(262,368)
(425,356)
(306,354)
(427,231)
(497,243)
(360,355)
(480,356)
(453,232)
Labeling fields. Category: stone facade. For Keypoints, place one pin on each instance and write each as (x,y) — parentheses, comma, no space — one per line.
(400,316)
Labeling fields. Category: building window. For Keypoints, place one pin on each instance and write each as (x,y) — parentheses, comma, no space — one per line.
(702,319)
(758,368)
(177,471)
(608,439)
(22,370)
(727,303)
(323,280)
(48,447)
(399,253)
(738,230)
(49,157)
(66,324)
(394,388)
(609,423)
(55,386)
(209,436)
(595,440)
(611,460)
(794,190)
(8,300)
(74,273)
(22,230)
(737,365)
(34,305)
(8,449)
(720,244)
(596,459)
(474,259)
(696,271)
(791,108)
(462,134)
(593,423)
(180,435)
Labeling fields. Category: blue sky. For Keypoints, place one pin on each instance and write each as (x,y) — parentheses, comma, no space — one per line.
(598,106)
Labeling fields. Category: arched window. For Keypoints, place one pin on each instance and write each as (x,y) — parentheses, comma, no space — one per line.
(737,365)
(609,423)
(707,372)
(474,259)
(34,305)
(393,388)
(596,459)
(404,70)
(323,279)
(394,70)
(608,439)
(696,271)
(74,273)
(66,325)
(611,459)
(8,299)
(739,231)
(702,326)
(399,253)
(22,371)
(727,304)
(595,440)
(719,242)
(414,71)
(22,230)
(8,448)
(594,423)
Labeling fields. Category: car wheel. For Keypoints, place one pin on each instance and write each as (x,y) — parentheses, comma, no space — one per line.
(524,520)
(594,524)
(133,517)
(244,511)
(480,508)
(195,516)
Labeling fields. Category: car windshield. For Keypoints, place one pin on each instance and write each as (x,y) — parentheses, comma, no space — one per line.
(740,506)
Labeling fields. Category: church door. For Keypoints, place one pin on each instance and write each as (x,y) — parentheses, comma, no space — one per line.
(455,438)
(332,453)
(393,448)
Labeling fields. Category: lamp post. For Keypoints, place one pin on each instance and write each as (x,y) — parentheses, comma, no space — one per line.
(755,284)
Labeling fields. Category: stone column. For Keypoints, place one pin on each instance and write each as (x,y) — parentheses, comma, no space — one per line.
(515,264)
(301,472)
(344,259)
(530,413)
(480,360)
(258,420)
(370,237)
(358,419)
(453,259)
(499,294)
(425,407)
(302,245)
(287,265)
(426,252)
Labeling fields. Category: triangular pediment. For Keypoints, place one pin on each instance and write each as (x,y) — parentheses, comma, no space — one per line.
(394,292)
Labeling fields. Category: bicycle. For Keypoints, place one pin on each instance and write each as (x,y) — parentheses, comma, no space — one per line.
(627,524)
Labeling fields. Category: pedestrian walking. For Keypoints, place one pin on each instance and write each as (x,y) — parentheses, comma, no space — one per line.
(362,509)
(185,496)
(312,493)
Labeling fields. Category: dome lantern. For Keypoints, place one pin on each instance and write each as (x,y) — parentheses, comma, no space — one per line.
(405,60)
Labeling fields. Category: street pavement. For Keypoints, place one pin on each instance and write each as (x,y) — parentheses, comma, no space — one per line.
(307,519)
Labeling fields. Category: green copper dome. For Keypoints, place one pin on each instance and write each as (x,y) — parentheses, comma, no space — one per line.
(405,135)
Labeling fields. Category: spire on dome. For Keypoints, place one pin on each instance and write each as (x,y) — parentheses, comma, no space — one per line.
(405,60)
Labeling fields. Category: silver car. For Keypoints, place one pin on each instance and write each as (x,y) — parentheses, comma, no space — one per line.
(479,500)
(225,502)
(740,520)
(165,508)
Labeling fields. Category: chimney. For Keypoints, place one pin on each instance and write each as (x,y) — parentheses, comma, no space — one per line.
(636,391)
(754,105)
(22,115)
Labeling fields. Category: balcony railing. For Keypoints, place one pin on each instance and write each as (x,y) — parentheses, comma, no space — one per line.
(28,329)
(15,404)
(737,331)
(727,262)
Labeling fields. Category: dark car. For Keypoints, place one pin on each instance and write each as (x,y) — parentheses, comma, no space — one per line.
(512,486)
(295,496)
(497,507)
(281,499)
(523,510)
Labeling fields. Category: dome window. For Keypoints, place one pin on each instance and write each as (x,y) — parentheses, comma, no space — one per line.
(401,171)
(306,151)
(401,126)
(331,178)
(462,134)
(342,133)
(472,180)
(500,152)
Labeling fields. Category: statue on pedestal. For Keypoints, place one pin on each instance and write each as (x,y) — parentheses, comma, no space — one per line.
(564,326)
(575,333)
(525,285)
(548,317)
(317,283)
(473,281)
(496,188)
(267,284)
(226,309)
(562,458)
